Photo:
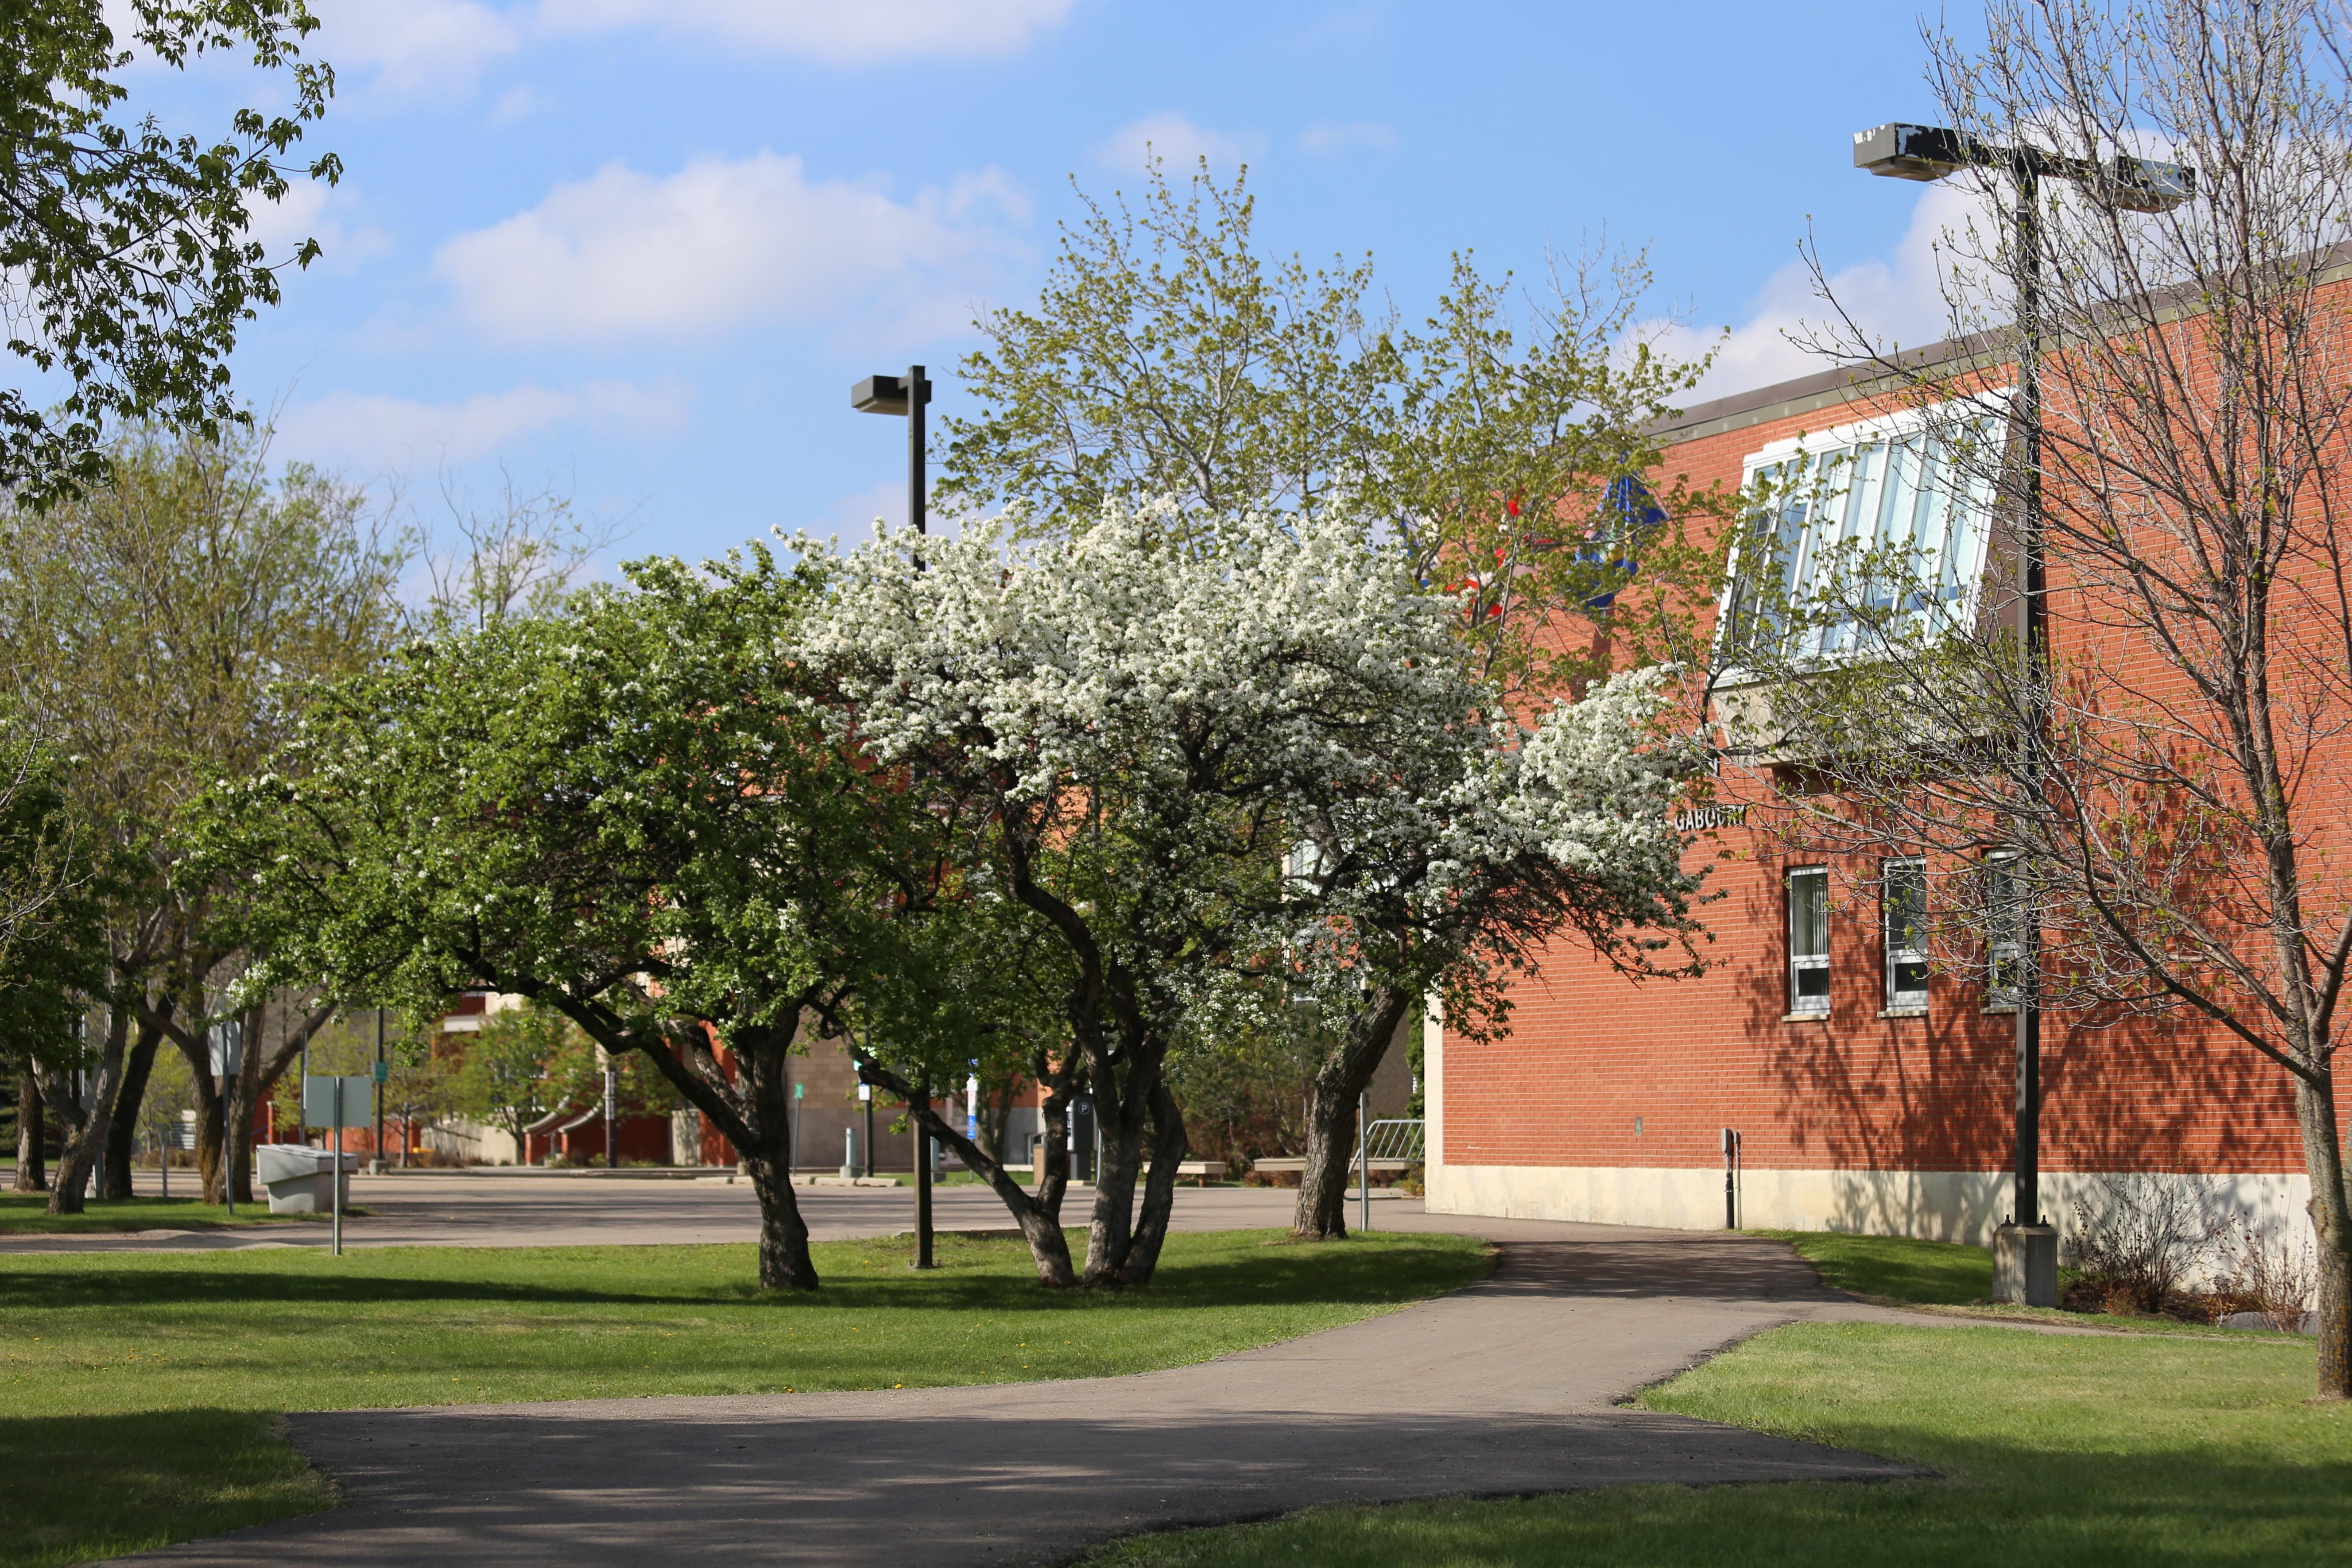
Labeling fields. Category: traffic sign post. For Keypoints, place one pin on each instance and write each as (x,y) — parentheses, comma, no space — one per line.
(337,1103)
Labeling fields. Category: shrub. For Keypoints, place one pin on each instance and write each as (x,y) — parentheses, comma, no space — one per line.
(2272,1278)
(2135,1241)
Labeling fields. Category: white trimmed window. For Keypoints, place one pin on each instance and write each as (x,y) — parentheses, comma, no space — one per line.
(2003,905)
(1902,921)
(1809,941)
(1915,487)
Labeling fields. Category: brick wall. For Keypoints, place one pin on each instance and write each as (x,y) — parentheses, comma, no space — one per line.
(1602,1076)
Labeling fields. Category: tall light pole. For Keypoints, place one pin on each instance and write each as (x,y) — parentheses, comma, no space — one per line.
(905,396)
(2025,1250)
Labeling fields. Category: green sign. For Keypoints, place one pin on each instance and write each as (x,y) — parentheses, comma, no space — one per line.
(800,1091)
(383,1072)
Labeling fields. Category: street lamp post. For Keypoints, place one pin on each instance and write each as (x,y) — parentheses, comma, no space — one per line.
(2025,1250)
(905,395)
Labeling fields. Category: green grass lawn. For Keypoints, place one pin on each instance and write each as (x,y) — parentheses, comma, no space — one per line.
(138,1391)
(2189,1448)
(1895,1267)
(27,1214)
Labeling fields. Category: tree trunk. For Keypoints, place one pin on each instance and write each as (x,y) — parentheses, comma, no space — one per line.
(239,1144)
(784,1262)
(1110,1231)
(209,1144)
(1333,1098)
(78,1157)
(1169,1145)
(123,1135)
(2331,1224)
(1041,1225)
(32,1136)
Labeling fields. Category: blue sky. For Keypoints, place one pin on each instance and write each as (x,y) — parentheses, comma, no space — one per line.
(638,250)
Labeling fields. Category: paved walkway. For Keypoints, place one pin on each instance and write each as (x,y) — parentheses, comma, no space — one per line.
(1508,1386)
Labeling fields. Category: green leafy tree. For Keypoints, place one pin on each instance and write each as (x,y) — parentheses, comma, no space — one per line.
(129,249)
(628,816)
(146,626)
(1504,447)
(523,1063)
(52,965)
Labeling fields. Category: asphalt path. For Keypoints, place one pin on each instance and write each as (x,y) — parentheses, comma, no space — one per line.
(1513,1385)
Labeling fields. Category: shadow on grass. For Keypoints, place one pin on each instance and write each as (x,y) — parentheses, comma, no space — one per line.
(75,1488)
(994,1276)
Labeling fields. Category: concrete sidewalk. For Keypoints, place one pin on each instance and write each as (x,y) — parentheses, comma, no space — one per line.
(1508,1386)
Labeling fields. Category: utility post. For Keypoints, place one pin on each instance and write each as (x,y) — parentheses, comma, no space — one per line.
(228,1060)
(2025,1249)
(377,1165)
(612,1107)
(922,1173)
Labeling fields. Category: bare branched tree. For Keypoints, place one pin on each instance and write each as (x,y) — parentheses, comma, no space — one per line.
(2156,804)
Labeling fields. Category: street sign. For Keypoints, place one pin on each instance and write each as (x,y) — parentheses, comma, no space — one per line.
(383,1072)
(320,1106)
(800,1091)
(227,1042)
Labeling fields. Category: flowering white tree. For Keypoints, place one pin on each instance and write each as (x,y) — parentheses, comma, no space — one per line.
(1150,720)
(1489,841)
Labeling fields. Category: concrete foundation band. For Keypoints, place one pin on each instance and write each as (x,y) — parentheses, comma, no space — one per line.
(1934,1205)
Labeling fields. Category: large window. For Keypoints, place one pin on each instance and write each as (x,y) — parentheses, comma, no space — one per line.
(1903,909)
(1809,941)
(1910,494)
(2004,951)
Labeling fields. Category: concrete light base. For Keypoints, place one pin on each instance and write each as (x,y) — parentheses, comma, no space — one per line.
(2026,1265)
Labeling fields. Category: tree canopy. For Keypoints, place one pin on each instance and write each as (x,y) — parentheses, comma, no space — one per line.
(130,250)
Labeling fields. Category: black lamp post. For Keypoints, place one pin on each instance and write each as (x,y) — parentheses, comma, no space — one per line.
(905,396)
(2025,1250)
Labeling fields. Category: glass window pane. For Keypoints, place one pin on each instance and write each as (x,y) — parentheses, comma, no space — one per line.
(1808,914)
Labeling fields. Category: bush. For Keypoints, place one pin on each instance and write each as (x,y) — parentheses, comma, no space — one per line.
(2261,1275)
(2135,1242)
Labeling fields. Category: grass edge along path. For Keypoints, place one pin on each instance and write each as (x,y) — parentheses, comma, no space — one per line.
(141,1393)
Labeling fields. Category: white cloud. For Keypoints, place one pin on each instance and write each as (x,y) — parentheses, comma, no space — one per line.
(728,241)
(1176,141)
(837,32)
(369,430)
(1326,138)
(1896,299)
(519,103)
(311,210)
(408,49)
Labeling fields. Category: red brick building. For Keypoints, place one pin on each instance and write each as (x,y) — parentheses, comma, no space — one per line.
(1871,1094)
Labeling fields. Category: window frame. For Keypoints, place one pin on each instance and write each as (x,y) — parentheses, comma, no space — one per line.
(1968,516)
(1801,1005)
(1895,959)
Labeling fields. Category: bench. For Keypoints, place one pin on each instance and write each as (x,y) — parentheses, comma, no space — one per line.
(1294,1168)
(1203,1172)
